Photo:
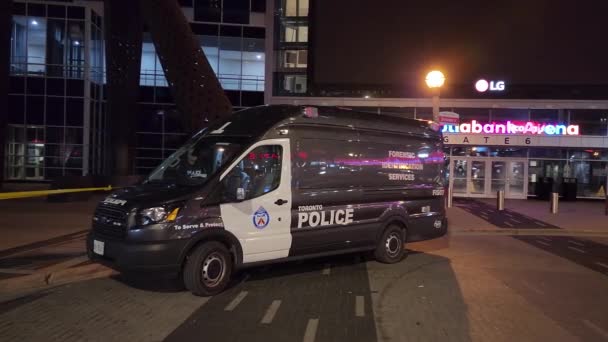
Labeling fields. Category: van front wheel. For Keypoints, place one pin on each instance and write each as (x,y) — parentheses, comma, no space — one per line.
(391,247)
(208,269)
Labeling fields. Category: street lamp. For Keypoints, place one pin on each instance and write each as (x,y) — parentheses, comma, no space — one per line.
(434,80)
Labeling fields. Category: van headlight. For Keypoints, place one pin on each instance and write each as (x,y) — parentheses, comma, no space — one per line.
(156,215)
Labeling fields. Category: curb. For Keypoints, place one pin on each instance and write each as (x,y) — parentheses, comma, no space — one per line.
(16,287)
(530,231)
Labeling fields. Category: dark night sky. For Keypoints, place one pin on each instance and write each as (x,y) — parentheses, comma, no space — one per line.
(522,41)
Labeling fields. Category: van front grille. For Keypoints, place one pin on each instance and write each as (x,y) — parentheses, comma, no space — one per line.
(110,221)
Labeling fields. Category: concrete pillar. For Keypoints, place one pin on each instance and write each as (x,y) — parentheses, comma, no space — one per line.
(6,18)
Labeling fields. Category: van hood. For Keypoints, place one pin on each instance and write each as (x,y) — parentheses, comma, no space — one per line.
(145,195)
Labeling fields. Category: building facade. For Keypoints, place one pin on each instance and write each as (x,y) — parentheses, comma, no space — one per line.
(56,100)
(541,156)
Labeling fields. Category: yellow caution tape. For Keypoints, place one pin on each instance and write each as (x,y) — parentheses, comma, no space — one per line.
(25,194)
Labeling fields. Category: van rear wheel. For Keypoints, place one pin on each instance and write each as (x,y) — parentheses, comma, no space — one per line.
(208,269)
(391,246)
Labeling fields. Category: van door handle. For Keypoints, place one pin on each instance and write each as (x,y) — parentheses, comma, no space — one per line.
(280,201)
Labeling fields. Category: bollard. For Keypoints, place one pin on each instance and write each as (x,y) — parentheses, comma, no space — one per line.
(500,200)
(554,202)
(449,196)
(606,205)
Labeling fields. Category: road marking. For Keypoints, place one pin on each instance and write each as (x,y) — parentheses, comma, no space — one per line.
(543,243)
(326,269)
(359,306)
(601,264)
(542,224)
(311,330)
(544,238)
(577,249)
(577,243)
(514,220)
(236,301)
(16,271)
(272,310)
(508,224)
(595,328)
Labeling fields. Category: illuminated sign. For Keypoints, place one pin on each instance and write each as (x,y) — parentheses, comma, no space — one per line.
(512,127)
(448,118)
(482,86)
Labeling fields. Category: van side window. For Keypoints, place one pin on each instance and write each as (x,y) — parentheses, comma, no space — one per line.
(256,174)
(325,163)
(415,162)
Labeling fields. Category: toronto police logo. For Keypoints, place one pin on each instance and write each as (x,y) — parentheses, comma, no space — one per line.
(261,218)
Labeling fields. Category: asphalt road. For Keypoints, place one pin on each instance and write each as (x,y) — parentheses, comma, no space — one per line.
(463,288)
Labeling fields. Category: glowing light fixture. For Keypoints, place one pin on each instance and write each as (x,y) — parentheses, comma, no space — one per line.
(435,79)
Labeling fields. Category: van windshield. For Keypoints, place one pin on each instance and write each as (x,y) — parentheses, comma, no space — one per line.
(197,161)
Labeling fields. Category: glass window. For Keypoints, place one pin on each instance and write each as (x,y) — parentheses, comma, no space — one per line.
(54,110)
(591,122)
(506,114)
(18,45)
(324,163)
(295,8)
(74,49)
(293,59)
(207,10)
(545,115)
(258,6)
(56,47)
(196,161)
(74,113)
(294,84)
(36,45)
(389,165)
(211,49)
(236,11)
(253,64)
(509,152)
(255,175)
(230,61)
(547,153)
(16,109)
(468,114)
(295,33)
(303,8)
(34,110)
(148,62)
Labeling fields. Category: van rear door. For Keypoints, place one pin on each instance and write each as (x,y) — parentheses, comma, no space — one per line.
(257,209)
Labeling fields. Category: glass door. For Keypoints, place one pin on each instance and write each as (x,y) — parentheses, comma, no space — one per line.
(510,176)
(459,176)
(470,177)
(516,179)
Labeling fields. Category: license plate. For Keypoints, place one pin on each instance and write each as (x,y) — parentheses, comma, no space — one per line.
(98,247)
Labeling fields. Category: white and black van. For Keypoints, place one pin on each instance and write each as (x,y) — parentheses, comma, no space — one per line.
(276,183)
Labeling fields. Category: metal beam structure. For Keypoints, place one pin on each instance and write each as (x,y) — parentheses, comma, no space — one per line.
(123,42)
(6,15)
(197,91)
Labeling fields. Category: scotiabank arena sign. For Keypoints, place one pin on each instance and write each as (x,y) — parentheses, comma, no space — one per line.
(506,133)
(511,127)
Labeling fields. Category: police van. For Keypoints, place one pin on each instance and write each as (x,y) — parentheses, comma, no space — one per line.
(277,183)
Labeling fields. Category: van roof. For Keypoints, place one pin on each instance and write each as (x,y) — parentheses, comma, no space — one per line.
(255,121)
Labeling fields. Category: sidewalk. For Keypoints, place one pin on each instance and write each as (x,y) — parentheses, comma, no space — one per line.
(25,221)
(581,215)
(43,244)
